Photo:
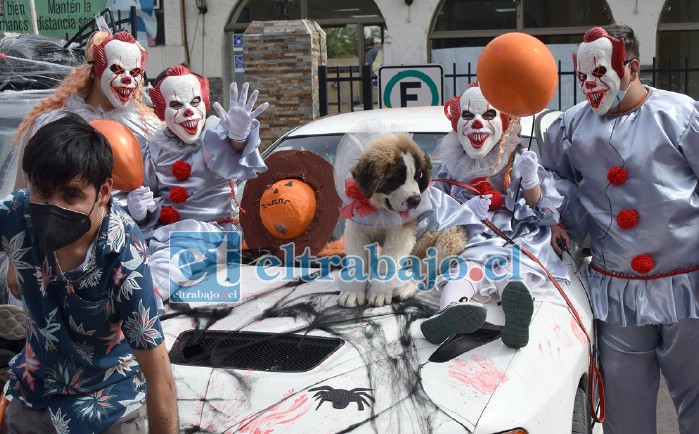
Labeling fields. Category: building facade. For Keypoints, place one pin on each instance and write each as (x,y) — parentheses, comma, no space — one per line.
(202,32)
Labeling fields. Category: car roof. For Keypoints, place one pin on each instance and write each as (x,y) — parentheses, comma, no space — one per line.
(414,119)
(427,119)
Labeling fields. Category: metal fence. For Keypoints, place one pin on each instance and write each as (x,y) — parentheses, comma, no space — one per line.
(345,89)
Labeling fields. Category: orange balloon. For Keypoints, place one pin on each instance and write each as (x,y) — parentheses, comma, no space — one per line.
(128,160)
(517,74)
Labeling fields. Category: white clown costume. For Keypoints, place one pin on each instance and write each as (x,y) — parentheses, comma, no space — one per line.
(191,166)
(484,151)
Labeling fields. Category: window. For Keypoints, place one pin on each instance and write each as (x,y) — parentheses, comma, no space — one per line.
(678,31)
(467,23)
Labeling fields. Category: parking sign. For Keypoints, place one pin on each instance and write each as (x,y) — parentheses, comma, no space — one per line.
(410,86)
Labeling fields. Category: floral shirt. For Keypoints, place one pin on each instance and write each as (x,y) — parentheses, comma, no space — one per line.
(82,326)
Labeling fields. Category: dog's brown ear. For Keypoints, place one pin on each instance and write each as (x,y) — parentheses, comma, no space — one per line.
(366,175)
(424,166)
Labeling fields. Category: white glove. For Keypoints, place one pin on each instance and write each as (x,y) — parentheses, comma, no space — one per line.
(479,205)
(238,120)
(528,166)
(139,202)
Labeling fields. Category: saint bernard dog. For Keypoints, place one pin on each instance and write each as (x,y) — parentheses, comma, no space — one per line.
(393,174)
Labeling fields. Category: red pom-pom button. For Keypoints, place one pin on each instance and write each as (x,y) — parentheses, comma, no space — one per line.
(181,170)
(168,215)
(496,201)
(178,195)
(626,219)
(642,264)
(481,184)
(617,175)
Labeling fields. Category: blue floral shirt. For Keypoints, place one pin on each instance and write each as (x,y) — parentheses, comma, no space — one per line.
(82,326)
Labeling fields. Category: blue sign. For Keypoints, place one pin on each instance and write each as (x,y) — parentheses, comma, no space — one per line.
(239,63)
(238,41)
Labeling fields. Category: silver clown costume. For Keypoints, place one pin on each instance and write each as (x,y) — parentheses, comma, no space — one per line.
(214,165)
(631,183)
(526,226)
(643,181)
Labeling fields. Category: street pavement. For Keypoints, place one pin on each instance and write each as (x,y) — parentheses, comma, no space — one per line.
(667,417)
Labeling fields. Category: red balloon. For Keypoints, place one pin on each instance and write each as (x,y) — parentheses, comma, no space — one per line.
(128,160)
(517,74)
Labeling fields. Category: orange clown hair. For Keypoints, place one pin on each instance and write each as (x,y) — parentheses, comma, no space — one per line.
(79,82)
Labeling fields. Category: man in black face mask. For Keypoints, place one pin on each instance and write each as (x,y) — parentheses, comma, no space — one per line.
(93,335)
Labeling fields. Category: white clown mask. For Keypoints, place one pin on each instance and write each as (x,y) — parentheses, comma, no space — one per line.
(123,73)
(185,111)
(480,125)
(598,80)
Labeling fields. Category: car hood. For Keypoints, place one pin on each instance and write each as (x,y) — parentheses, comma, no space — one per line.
(381,375)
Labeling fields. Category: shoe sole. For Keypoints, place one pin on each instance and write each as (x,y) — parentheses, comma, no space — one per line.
(518,305)
(457,319)
(12,322)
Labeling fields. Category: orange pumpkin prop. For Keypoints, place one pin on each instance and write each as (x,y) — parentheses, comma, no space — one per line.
(294,201)
(287,207)
(517,74)
(128,160)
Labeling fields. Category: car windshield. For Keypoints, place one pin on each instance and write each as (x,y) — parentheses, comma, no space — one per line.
(326,145)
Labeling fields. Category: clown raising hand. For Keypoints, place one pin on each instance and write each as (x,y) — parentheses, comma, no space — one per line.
(240,116)
(191,167)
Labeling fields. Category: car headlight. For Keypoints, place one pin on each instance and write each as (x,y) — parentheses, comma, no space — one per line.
(514,431)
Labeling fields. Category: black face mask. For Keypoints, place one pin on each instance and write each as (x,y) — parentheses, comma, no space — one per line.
(58,227)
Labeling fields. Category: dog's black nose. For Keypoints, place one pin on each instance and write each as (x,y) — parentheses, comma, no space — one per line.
(413,201)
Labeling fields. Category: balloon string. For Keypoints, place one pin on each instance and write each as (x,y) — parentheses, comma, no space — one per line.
(519,183)
(230,183)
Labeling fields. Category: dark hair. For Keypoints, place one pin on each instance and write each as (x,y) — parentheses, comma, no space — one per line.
(65,148)
(621,31)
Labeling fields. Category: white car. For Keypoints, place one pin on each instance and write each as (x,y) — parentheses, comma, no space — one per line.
(287,359)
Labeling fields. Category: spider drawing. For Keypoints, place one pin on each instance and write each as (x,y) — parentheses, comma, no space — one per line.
(341,398)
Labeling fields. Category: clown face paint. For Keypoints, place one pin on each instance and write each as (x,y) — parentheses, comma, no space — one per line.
(598,80)
(480,125)
(123,73)
(184,111)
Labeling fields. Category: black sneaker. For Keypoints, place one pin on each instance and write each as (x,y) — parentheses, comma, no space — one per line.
(518,305)
(457,317)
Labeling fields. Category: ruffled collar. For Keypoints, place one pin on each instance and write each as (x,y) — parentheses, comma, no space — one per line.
(458,163)
(77,104)
(170,142)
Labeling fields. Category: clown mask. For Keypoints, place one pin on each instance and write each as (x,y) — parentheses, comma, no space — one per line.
(123,72)
(599,80)
(185,110)
(480,126)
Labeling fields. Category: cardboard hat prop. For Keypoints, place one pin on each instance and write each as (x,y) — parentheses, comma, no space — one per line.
(294,201)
